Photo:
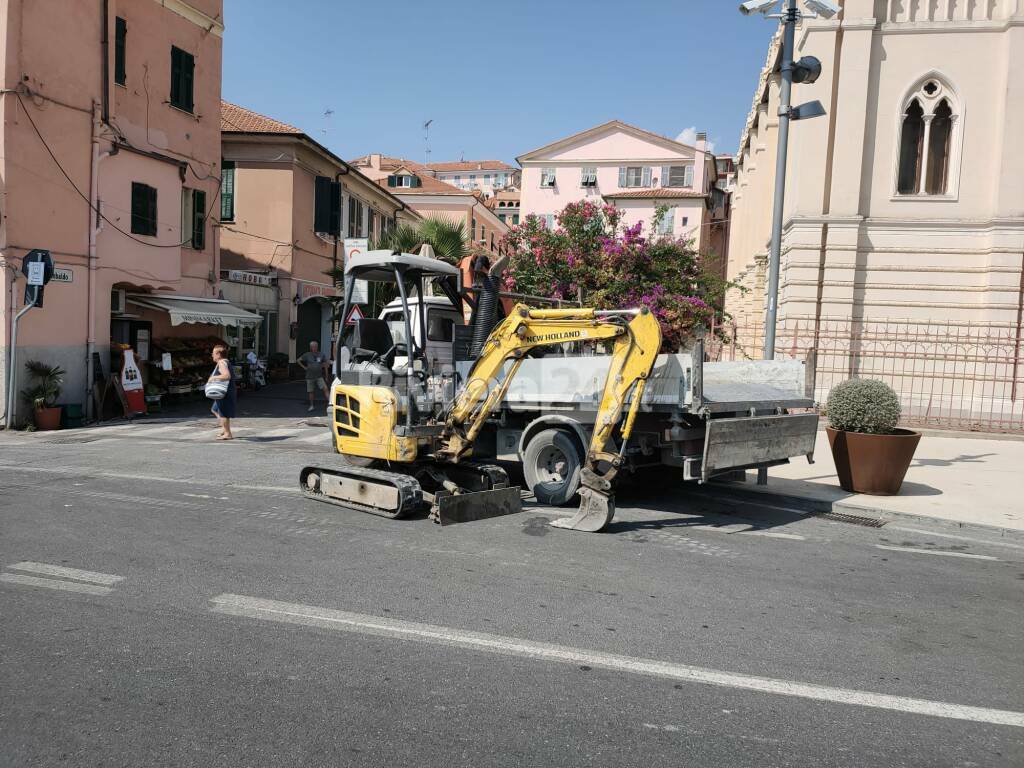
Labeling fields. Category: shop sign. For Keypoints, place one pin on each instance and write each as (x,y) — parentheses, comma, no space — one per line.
(313,290)
(61,275)
(249,278)
(199,317)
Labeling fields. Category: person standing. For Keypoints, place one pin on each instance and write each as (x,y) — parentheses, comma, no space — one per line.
(224,409)
(314,363)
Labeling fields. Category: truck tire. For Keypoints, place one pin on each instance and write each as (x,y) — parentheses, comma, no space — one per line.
(551,466)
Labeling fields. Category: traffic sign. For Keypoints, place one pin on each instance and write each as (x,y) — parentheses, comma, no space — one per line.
(354,314)
(37,266)
(36,273)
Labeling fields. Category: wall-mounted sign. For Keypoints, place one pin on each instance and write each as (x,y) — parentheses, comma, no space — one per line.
(313,290)
(61,275)
(353,247)
(249,278)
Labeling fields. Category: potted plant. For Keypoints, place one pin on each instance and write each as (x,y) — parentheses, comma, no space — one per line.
(871,454)
(44,392)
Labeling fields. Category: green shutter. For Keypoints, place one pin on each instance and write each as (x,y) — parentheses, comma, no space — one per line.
(227,191)
(322,204)
(198,219)
(416,182)
(120,40)
(392,181)
(182,77)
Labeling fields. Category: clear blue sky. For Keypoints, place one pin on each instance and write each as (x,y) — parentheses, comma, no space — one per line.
(497,78)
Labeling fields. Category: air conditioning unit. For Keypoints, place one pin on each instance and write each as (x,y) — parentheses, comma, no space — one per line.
(118,301)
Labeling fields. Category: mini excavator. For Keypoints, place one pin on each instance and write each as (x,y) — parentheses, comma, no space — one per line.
(406,434)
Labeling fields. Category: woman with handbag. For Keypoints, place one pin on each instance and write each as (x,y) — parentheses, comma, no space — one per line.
(221,389)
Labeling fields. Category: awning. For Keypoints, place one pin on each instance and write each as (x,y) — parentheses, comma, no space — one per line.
(189,309)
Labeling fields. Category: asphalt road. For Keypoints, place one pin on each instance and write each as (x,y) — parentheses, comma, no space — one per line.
(212,617)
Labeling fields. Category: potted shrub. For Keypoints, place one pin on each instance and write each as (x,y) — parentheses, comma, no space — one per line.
(43,394)
(871,454)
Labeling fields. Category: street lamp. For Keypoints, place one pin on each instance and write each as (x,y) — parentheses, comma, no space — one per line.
(806,70)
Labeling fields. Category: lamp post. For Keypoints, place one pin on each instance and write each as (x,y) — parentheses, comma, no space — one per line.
(806,70)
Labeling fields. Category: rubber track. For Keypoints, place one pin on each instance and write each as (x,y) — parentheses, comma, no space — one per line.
(409,492)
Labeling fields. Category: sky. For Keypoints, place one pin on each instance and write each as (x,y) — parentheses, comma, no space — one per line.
(498,79)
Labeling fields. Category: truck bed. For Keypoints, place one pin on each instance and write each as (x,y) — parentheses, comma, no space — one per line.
(575,383)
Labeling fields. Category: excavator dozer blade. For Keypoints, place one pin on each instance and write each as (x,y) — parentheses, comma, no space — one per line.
(596,510)
(479,505)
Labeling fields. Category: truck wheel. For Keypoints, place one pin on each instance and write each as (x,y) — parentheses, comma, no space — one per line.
(551,465)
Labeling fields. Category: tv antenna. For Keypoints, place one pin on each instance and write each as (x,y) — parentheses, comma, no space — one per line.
(328,113)
(426,141)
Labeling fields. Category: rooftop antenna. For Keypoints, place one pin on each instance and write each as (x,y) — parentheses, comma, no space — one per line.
(426,141)
(327,117)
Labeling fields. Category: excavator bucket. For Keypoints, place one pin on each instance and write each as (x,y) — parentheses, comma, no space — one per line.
(596,510)
(479,505)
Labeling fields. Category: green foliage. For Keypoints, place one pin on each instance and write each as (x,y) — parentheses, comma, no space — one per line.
(593,256)
(863,405)
(48,382)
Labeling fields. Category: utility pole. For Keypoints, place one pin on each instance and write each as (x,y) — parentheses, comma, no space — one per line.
(806,70)
(789,19)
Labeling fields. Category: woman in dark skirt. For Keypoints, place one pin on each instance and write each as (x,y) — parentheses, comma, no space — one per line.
(224,409)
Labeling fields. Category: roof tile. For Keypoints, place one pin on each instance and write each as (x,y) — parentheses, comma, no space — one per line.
(236,119)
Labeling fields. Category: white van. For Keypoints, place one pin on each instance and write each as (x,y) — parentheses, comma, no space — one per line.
(441,320)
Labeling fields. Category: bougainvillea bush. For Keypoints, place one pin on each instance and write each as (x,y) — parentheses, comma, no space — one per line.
(593,254)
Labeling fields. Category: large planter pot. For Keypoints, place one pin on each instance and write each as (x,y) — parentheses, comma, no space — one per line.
(47,418)
(872,464)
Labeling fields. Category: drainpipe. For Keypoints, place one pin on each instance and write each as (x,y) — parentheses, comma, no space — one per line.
(12,362)
(95,222)
(334,259)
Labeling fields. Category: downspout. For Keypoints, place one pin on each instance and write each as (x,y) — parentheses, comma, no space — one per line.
(105,44)
(95,225)
(335,326)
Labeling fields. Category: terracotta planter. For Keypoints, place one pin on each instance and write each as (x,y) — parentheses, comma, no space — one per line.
(47,418)
(872,464)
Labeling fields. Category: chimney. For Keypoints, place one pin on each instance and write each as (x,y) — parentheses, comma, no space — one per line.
(375,161)
(701,144)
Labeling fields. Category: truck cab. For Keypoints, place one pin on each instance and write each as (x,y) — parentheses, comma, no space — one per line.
(440,322)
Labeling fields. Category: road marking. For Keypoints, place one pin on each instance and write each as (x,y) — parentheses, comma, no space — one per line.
(990,542)
(67,586)
(60,571)
(914,550)
(295,613)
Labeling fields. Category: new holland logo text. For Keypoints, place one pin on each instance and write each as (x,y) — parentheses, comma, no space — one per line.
(560,336)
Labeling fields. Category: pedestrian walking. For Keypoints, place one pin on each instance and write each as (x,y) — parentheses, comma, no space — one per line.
(314,363)
(224,409)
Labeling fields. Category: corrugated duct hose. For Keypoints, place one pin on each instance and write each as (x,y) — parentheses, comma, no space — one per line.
(485,314)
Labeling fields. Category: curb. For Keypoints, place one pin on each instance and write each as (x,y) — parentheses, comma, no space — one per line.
(812,506)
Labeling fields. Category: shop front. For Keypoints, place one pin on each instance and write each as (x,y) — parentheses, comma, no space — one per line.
(258,293)
(171,338)
(314,316)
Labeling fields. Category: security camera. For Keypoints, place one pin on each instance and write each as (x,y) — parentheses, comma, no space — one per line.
(824,8)
(757,6)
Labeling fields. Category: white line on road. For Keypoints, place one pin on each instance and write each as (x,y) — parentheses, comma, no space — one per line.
(60,571)
(67,586)
(990,542)
(295,613)
(916,551)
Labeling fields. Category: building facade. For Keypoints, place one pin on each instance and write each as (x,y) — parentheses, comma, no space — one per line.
(110,160)
(416,186)
(286,212)
(634,169)
(505,204)
(904,205)
(488,176)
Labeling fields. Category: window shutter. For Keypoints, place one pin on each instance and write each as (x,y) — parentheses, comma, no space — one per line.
(416,181)
(151,210)
(688,176)
(199,220)
(322,204)
(646,182)
(227,191)
(622,177)
(120,40)
(175,75)
(335,209)
(392,181)
(188,74)
(666,175)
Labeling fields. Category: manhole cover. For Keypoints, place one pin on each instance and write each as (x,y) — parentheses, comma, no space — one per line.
(839,517)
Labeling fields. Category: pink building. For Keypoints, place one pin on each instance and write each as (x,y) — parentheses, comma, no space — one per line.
(488,176)
(634,169)
(110,159)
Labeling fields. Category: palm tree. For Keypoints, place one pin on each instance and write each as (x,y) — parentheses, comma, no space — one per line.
(446,237)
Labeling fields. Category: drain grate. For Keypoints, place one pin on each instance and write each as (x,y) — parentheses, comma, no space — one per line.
(840,517)
(72,440)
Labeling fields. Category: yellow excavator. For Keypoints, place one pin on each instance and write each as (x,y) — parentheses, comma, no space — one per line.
(405,431)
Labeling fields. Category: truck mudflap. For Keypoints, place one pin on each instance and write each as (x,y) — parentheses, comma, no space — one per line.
(745,442)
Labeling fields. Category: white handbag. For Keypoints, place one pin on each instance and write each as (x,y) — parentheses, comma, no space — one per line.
(216,390)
